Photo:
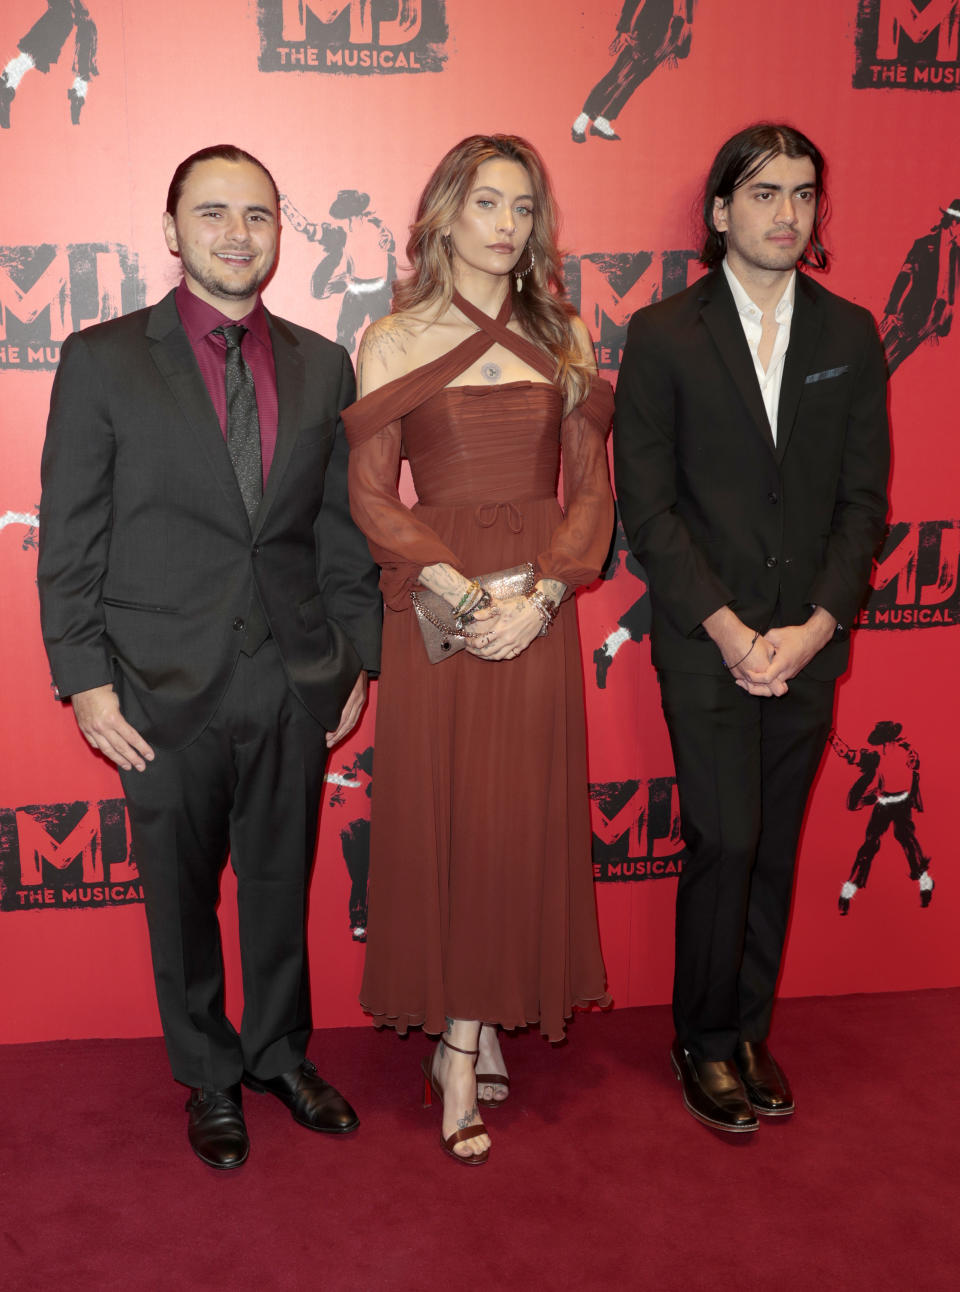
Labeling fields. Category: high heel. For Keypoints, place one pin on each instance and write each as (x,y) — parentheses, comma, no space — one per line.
(431,1088)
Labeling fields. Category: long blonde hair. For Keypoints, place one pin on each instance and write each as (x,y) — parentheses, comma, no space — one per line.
(542,307)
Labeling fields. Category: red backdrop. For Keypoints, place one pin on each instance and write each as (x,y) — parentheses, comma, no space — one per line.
(365,97)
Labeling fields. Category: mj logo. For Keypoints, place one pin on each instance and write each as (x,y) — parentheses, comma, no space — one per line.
(352,36)
(636,830)
(907,45)
(47,291)
(74,855)
(916,582)
(606,289)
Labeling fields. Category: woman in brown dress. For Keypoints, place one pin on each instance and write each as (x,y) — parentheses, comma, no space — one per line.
(482,912)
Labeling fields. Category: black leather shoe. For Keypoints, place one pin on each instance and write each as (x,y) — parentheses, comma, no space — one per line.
(767,1088)
(713,1091)
(313,1101)
(925,895)
(216,1129)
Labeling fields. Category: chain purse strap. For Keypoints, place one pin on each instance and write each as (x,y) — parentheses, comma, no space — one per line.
(443,639)
(454,630)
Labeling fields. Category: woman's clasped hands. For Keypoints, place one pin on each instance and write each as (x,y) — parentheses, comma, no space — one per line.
(504,629)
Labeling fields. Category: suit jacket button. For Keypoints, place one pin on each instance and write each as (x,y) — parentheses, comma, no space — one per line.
(773,496)
(255,550)
(238,625)
(771,562)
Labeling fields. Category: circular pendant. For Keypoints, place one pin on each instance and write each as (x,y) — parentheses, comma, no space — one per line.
(490,372)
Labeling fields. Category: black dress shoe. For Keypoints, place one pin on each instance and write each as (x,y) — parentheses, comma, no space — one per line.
(713,1091)
(216,1129)
(313,1101)
(767,1088)
(611,138)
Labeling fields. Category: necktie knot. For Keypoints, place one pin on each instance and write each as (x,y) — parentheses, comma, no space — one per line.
(233,334)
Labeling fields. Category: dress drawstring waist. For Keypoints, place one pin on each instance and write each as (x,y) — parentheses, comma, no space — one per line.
(488,512)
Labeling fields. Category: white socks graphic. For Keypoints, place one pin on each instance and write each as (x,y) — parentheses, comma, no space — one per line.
(15,70)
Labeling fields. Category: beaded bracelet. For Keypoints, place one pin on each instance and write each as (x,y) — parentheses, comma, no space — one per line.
(544,608)
(483,602)
(473,588)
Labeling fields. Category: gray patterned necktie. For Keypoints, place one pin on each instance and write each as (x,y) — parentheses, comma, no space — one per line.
(243,421)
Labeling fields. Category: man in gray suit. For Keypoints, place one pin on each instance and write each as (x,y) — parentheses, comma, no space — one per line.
(751,451)
(212,613)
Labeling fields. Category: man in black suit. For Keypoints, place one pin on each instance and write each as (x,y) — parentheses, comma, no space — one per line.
(212,613)
(751,451)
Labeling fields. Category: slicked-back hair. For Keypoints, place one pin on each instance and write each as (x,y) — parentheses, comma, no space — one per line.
(216,152)
(738,161)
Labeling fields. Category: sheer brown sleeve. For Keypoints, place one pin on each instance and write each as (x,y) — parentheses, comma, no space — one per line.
(579,544)
(399,542)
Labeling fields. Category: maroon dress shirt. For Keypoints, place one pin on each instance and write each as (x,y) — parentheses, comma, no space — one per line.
(199,319)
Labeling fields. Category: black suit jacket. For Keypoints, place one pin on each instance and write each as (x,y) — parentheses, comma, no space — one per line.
(717,513)
(148,561)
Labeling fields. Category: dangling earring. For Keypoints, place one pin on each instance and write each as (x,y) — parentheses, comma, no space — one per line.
(447,244)
(520,274)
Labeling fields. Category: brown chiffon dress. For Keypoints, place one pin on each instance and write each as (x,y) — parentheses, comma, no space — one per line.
(481,890)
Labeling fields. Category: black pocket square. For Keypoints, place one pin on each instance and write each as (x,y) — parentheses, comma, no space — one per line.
(826,374)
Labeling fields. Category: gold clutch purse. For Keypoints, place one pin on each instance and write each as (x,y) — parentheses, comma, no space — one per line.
(443,635)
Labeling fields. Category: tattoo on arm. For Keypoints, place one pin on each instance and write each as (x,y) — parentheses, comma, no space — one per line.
(553,589)
(385,341)
(446,582)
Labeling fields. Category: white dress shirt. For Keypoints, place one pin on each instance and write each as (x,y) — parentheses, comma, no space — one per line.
(751,316)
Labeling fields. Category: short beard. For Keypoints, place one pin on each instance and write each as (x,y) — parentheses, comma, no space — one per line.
(225,291)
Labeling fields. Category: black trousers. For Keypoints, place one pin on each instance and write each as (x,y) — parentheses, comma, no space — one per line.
(744,769)
(249,785)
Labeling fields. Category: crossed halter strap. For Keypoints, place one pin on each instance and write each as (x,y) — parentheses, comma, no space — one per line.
(403,394)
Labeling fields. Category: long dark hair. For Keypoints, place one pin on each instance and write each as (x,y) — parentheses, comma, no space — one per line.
(542,307)
(216,152)
(738,161)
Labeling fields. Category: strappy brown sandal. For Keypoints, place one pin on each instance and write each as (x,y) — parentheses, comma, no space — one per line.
(431,1088)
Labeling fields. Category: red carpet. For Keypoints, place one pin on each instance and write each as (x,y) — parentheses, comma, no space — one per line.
(598,1178)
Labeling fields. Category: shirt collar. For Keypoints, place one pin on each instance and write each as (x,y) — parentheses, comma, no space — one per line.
(199,318)
(748,309)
